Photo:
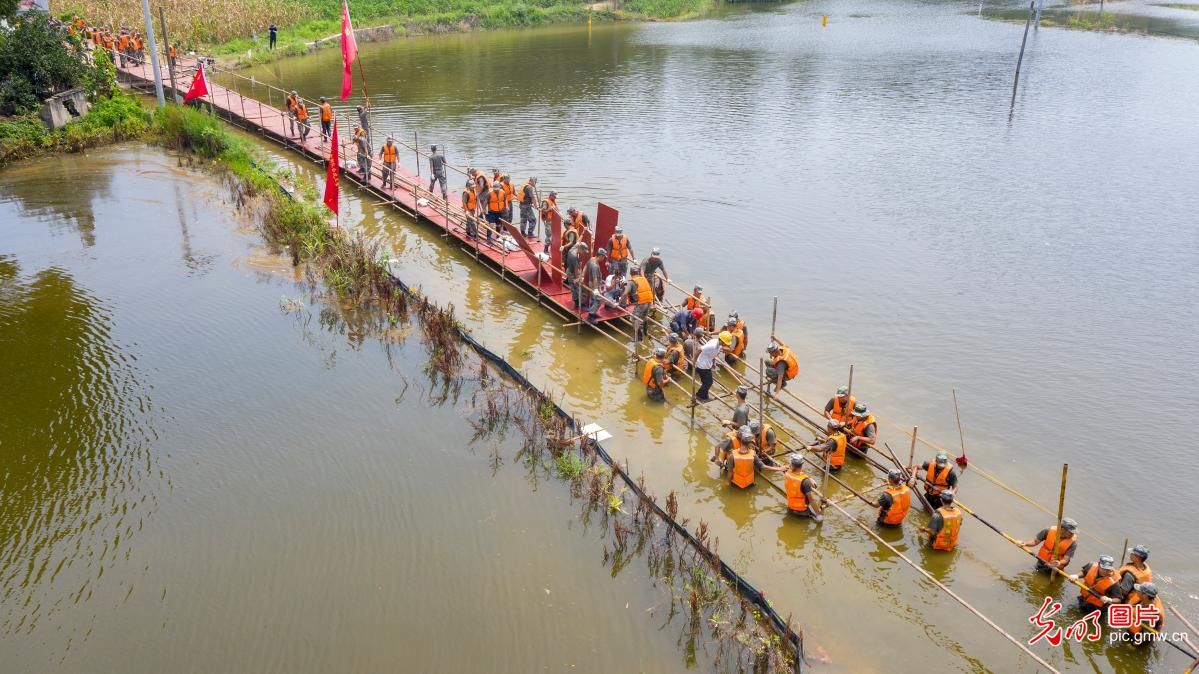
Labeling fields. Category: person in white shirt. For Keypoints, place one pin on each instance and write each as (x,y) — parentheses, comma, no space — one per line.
(705,362)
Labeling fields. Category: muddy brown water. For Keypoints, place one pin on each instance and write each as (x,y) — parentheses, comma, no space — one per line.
(1039,258)
(196,481)
(871,174)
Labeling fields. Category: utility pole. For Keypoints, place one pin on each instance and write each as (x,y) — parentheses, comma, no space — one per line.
(162,21)
(1016,79)
(162,101)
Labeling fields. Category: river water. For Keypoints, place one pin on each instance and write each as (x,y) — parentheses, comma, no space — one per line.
(1040,258)
(195,481)
(875,175)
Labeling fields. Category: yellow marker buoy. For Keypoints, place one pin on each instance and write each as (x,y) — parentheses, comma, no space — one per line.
(824,20)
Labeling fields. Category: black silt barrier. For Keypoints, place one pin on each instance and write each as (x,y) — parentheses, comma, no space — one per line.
(743,586)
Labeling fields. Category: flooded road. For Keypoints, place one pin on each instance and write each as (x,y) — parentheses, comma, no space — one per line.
(195,481)
(1041,259)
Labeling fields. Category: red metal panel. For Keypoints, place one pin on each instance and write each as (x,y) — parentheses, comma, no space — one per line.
(555,227)
(605,223)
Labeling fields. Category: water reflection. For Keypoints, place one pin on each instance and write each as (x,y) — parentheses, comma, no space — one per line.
(77,423)
(66,198)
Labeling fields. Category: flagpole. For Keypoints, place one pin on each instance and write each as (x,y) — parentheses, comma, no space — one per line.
(361,73)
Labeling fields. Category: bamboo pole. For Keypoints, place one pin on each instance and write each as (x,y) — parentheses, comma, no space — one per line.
(928,576)
(928,507)
(910,472)
(961,461)
(774,314)
(1186,622)
(1061,505)
(1082,586)
(1124,552)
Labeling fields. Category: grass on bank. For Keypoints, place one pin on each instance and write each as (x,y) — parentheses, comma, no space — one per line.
(234,28)
(120,117)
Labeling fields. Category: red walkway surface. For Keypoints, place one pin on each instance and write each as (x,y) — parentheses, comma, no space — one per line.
(523,268)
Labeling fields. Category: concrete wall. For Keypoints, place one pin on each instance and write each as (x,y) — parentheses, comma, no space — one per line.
(62,108)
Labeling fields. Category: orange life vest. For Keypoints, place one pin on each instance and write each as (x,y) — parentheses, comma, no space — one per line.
(496,200)
(793,481)
(302,112)
(645,292)
(1134,598)
(1145,576)
(469,200)
(842,413)
(766,428)
(527,193)
(171,50)
(677,348)
(692,303)
(951,524)
(620,247)
(1046,550)
(647,377)
(901,502)
(577,221)
(858,426)
(123,43)
(743,468)
(508,192)
(837,458)
(785,355)
(739,344)
(326,112)
(390,153)
(569,237)
(734,444)
(292,103)
(936,482)
(1099,585)
(551,205)
(482,182)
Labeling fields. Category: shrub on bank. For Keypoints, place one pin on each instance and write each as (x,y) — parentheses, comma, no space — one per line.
(116,118)
(38,60)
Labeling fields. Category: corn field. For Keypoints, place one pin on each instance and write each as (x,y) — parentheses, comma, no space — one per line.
(193,23)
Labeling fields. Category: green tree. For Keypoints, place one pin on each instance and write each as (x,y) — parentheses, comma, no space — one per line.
(37,61)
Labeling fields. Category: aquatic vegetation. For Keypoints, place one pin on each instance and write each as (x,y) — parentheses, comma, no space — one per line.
(717,621)
(721,622)
(569,466)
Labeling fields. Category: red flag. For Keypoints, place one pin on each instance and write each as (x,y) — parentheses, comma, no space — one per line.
(349,50)
(332,175)
(199,84)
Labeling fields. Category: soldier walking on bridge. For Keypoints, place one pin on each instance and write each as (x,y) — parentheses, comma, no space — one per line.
(436,170)
(364,154)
